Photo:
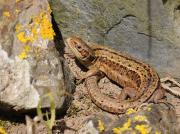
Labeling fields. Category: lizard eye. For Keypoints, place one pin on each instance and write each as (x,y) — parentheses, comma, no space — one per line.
(78,47)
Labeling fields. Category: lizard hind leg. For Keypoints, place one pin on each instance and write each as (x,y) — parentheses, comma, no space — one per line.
(158,97)
(127,93)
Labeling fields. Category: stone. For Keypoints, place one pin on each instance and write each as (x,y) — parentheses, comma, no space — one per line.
(153,119)
(30,65)
(147,30)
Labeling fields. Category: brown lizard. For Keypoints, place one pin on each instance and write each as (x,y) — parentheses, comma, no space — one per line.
(140,82)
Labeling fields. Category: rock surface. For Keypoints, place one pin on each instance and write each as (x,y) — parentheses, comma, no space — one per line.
(153,119)
(30,65)
(148,30)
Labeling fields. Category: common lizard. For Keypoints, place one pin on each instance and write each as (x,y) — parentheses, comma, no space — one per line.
(139,81)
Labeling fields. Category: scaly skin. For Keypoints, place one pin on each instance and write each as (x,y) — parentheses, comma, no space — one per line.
(126,71)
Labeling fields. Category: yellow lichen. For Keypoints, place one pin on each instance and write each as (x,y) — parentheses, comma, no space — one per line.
(130,111)
(39,28)
(143,129)
(24,38)
(40,25)
(140,118)
(24,53)
(46,30)
(149,109)
(17,11)
(157,132)
(49,9)
(18,27)
(125,127)
(6,14)
(2,131)
(17,1)
(26,48)
(21,36)
(101,126)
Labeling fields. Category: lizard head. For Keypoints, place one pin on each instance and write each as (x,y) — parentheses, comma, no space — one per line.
(80,50)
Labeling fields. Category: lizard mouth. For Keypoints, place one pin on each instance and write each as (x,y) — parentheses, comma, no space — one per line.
(69,54)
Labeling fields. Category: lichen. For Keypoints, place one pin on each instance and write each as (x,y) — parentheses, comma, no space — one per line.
(46,30)
(40,25)
(2,131)
(18,1)
(24,53)
(140,118)
(149,109)
(130,111)
(39,28)
(125,127)
(157,132)
(143,129)
(101,126)
(6,14)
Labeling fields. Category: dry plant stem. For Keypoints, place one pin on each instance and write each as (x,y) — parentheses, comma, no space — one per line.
(171,89)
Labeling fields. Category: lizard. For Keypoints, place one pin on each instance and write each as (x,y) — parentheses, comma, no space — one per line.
(140,81)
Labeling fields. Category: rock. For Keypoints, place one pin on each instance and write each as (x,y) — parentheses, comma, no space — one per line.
(30,65)
(153,119)
(16,90)
(147,30)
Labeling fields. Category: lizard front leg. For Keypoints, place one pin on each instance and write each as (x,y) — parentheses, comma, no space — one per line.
(91,72)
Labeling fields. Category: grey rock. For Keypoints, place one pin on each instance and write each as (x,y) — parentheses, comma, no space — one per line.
(153,119)
(16,89)
(147,30)
(24,80)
